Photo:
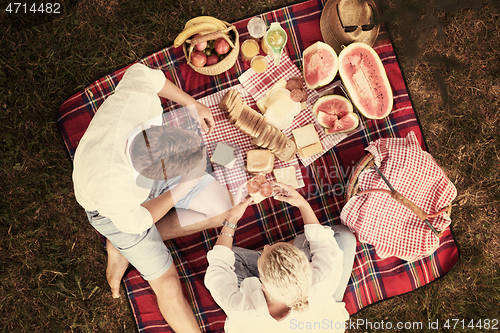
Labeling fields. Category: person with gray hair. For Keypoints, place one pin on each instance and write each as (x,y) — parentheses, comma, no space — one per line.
(156,190)
(287,286)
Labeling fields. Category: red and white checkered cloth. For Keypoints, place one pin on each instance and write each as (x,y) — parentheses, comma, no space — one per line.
(226,132)
(257,84)
(381,221)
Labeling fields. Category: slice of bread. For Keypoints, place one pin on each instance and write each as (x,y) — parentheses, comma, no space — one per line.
(227,101)
(261,125)
(259,140)
(270,136)
(274,140)
(288,152)
(280,145)
(260,161)
(236,110)
(287,176)
(253,123)
(258,125)
(242,120)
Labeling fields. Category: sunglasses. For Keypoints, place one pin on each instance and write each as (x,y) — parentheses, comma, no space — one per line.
(352,28)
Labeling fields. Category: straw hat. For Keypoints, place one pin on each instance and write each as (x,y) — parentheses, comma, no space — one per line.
(355,16)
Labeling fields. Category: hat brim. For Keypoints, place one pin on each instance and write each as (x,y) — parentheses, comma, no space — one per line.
(329,14)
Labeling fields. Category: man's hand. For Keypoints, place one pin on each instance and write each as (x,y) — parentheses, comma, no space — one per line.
(205,117)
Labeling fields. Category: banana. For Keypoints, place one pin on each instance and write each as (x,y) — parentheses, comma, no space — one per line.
(193,30)
(203,19)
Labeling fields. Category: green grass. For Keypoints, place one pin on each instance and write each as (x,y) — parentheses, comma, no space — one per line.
(52,264)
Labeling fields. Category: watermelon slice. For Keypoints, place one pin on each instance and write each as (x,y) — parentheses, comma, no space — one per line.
(347,123)
(365,80)
(320,65)
(335,113)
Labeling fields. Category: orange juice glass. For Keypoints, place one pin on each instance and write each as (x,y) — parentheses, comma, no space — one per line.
(249,49)
(259,64)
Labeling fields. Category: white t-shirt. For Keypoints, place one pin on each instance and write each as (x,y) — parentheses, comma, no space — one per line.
(246,307)
(102,176)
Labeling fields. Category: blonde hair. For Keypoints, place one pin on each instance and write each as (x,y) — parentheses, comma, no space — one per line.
(286,275)
(163,152)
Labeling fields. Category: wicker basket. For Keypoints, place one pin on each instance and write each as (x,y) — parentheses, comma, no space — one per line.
(222,65)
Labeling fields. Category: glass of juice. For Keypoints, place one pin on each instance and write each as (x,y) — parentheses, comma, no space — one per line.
(249,49)
(259,64)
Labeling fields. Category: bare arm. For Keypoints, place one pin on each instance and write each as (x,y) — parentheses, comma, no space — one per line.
(163,203)
(172,92)
(288,194)
(234,215)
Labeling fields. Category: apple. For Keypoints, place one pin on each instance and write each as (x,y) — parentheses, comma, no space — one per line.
(221,46)
(212,59)
(200,46)
(198,58)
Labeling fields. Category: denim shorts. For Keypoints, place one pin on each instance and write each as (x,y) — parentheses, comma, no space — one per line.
(146,251)
(161,186)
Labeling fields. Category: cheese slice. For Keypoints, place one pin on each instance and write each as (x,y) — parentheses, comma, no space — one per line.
(305,136)
(310,150)
(280,109)
(261,103)
(224,155)
(280,103)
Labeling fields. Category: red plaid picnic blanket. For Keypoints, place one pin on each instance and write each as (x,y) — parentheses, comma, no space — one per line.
(373,279)
(383,222)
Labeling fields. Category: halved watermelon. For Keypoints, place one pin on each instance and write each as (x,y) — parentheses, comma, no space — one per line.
(365,80)
(335,114)
(320,63)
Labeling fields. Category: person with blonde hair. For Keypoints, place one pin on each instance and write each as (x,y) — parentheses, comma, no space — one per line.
(288,286)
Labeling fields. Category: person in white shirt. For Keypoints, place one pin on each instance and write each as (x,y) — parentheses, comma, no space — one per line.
(287,287)
(136,218)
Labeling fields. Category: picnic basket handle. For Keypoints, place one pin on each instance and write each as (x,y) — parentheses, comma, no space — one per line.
(212,36)
(409,204)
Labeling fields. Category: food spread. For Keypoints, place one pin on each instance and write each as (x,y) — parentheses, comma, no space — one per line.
(209,40)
